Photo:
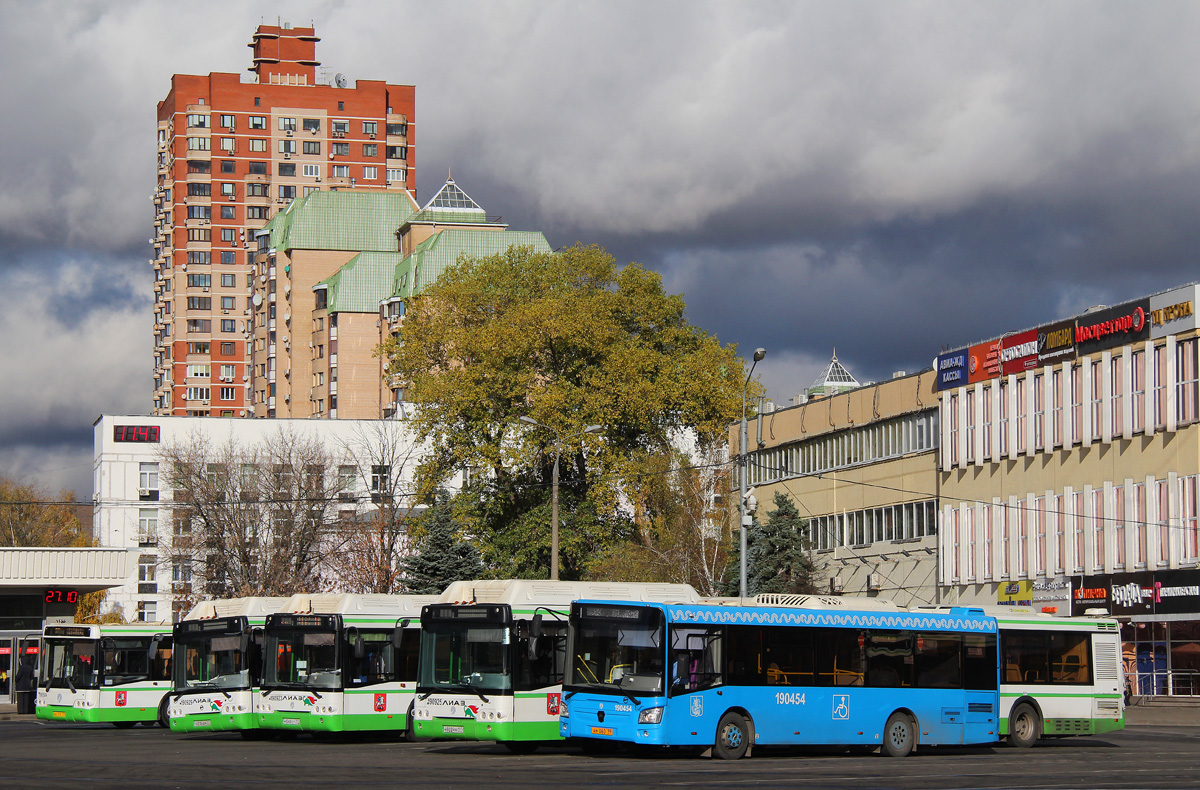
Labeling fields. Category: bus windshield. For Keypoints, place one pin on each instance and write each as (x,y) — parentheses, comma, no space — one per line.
(301,659)
(211,660)
(462,656)
(70,663)
(625,655)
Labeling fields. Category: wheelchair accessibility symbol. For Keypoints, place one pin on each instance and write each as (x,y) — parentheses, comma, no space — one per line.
(841,706)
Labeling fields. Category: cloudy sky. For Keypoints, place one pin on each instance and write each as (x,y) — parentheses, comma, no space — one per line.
(883,177)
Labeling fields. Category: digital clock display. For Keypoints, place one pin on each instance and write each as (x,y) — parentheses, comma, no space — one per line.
(62,596)
(135,433)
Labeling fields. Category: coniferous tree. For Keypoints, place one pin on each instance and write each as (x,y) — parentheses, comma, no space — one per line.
(442,554)
(777,554)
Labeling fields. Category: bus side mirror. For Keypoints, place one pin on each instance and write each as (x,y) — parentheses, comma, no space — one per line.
(535,625)
(360,647)
(245,643)
(398,633)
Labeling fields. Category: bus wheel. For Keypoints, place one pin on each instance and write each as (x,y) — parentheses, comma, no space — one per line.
(1024,727)
(899,735)
(521,747)
(733,737)
(164,719)
(123,725)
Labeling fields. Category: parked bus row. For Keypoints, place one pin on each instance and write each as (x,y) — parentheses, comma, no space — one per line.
(525,663)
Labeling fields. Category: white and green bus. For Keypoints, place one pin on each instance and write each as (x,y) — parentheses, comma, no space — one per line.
(218,665)
(1059,676)
(340,663)
(119,674)
(493,653)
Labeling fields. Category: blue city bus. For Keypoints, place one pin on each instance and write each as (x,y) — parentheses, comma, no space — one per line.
(805,670)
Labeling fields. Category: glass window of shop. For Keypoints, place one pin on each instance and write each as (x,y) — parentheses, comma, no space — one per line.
(1162,658)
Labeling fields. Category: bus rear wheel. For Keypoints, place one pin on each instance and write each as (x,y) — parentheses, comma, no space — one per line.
(1024,726)
(164,718)
(733,737)
(899,735)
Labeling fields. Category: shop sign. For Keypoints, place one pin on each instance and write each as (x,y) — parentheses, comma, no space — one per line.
(1173,311)
(1113,326)
(1126,594)
(1056,343)
(1019,352)
(951,369)
(1052,596)
(983,361)
(1015,593)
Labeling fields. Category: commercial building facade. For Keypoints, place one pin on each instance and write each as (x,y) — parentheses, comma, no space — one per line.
(231,155)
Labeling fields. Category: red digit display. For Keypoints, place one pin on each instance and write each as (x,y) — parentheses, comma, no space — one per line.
(62,596)
(135,433)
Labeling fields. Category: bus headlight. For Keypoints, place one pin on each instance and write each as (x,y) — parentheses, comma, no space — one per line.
(650,716)
(562,710)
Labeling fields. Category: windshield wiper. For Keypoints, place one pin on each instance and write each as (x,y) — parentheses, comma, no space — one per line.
(196,689)
(70,685)
(604,684)
(451,688)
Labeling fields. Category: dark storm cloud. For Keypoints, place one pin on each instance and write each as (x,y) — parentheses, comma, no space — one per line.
(886,177)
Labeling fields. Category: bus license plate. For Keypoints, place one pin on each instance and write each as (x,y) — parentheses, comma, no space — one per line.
(60,714)
(452,728)
(203,723)
(293,722)
(601,730)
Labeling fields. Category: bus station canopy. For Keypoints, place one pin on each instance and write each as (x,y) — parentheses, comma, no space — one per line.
(32,570)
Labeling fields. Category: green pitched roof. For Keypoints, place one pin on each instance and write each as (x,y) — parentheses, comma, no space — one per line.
(442,250)
(342,220)
(362,283)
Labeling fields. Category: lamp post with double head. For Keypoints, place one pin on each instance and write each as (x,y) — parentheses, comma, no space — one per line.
(759,353)
(558,442)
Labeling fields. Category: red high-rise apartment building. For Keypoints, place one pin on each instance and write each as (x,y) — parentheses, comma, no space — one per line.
(231,153)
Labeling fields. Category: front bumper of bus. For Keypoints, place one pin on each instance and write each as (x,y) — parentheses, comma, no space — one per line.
(476,730)
(214,722)
(92,715)
(580,718)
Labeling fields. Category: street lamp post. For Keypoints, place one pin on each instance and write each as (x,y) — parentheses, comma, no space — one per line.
(759,353)
(558,440)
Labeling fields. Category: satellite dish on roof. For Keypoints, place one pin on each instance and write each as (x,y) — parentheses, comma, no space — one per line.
(340,81)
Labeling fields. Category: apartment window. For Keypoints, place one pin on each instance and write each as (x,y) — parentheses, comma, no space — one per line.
(148,476)
(1164,520)
(1189,518)
(985,424)
(1080,532)
(287,124)
(1077,403)
(397,152)
(199,325)
(199,212)
(1098,530)
(257,168)
(1022,416)
(199,144)
(227,212)
(199,190)
(396,174)
(1187,389)
(228,281)
(257,190)
(1056,408)
(1118,519)
(258,145)
(228,257)
(312,124)
(197,393)
(370,127)
(319,299)
(370,150)
(341,171)
(309,190)
(287,191)
(147,612)
(340,128)
(181,571)
(227,121)
(199,280)
(228,166)
(227,349)
(228,234)
(199,370)
(1160,386)
(256,212)
(1039,546)
(199,166)
(199,234)
(371,173)
(380,474)
(228,145)
(257,121)
(227,393)
(340,149)
(1097,396)
(1116,394)
(228,371)
(198,348)
(312,147)
(228,326)
(397,128)
(287,146)
(311,171)
(197,121)
(147,524)
(227,303)
(199,303)
(200,257)
(341,105)
(228,189)
(287,169)
(1137,371)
